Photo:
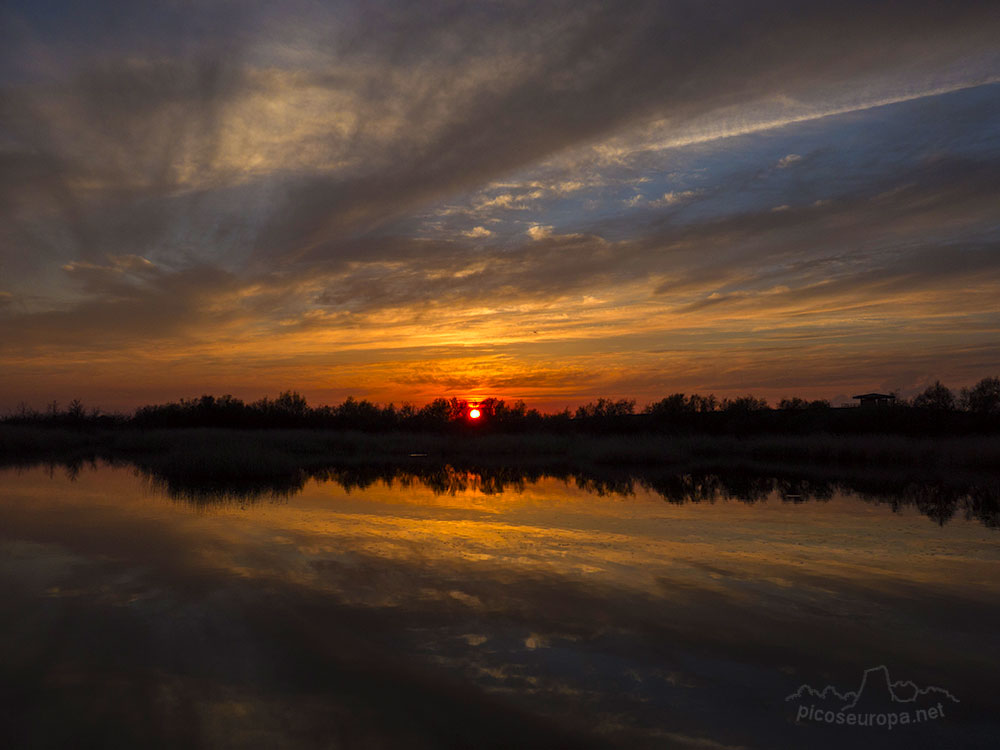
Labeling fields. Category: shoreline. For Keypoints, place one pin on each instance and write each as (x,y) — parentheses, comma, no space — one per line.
(968,452)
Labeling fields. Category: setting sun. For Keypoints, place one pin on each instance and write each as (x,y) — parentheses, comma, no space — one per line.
(476,374)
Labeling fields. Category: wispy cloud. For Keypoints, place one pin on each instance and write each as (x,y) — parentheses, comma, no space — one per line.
(287,183)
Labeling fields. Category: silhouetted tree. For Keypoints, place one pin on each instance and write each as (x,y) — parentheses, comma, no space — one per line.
(457,409)
(744,405)
(936,397)
(671,407)
(935,413)
(983,397)
(605,408)
(801,404)
(292,403)
(436,414)
(75,411)
(703,404)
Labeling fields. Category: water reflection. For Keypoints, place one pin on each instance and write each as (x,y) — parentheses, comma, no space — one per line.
(432,606)
(940,499)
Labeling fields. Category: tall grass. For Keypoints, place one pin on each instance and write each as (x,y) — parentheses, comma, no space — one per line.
(251,452)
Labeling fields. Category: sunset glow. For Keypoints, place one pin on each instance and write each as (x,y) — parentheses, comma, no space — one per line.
(537,201)
(474,414)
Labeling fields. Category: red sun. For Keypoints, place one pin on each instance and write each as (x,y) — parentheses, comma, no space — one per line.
(474,414)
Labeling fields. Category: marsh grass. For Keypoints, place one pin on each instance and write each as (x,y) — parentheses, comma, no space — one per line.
(261,452)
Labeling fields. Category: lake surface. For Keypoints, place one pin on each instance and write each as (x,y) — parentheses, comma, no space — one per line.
(466,612)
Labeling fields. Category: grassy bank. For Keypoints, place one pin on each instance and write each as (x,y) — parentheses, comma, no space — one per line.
(256,451)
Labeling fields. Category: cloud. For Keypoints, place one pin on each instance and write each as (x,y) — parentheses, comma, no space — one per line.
(259,180)
(539,232)
(675,197)
(456,118)
(477,232)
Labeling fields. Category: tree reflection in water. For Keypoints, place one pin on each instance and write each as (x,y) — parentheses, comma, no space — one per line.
(974,497)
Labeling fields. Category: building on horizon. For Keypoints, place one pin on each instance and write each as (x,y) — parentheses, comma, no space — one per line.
(876,399)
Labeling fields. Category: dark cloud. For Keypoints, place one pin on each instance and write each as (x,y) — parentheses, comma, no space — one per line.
(605,68)
(848,248)
(268,171)
(576,71)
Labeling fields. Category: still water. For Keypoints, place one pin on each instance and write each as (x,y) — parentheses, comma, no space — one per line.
(539,612)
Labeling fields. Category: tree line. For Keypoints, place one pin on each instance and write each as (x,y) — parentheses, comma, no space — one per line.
(936,409)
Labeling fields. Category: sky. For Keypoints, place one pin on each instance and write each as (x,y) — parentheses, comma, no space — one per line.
(553,201)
